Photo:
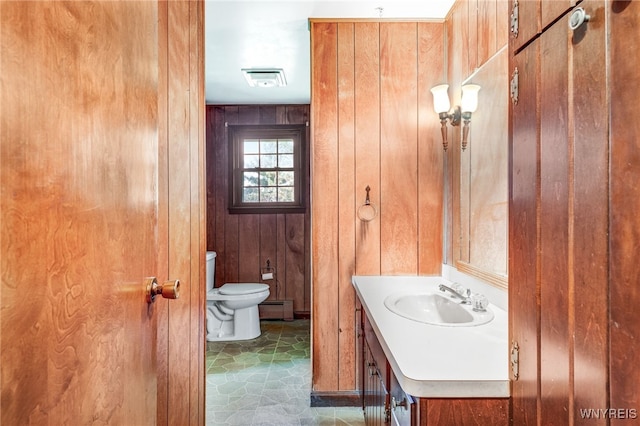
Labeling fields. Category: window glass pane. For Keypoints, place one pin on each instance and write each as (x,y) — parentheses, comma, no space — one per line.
(251,161)
(285,161)
(285,194)
(250,179)
(285,178)
(268,178)
(268,195)
(250,195)
(268,146)
(268,161)
(251,146)
(285,146)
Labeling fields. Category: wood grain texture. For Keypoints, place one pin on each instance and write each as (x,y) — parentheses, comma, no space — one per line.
(624,291)
(79,215)
(431,44)
(524,185)
(346,200)
(529,24)
(480,412)
(552,10)
(398,148)
(590,215)
(324,209)
(555,345)
(487,31)
(367,142)
(185,115)
(244,243)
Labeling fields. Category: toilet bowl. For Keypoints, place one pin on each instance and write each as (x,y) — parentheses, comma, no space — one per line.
(232,310)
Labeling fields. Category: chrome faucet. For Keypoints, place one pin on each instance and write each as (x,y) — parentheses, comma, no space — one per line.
(465,299)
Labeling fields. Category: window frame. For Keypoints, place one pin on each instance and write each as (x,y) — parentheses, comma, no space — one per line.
(236,136)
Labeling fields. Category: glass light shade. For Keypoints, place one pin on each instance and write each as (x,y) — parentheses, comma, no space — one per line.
(470,97)
(441,98)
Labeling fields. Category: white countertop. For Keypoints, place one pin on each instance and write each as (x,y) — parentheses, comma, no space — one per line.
(431,360)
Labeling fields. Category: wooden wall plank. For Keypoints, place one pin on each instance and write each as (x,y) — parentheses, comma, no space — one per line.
(367,142)
(398,135)
(217,166)
(457,70)
(486,29)
(590,213)
(268,241)
(249,248)
(431,44)
(555,296)
(347,203)
(324,89)
(624,232)
(294,287)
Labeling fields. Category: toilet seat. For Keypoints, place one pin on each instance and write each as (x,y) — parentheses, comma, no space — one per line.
(242,289)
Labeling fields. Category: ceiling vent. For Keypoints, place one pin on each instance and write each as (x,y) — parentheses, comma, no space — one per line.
(264,77)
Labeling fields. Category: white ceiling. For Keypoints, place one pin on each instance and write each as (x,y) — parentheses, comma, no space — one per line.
(275,34)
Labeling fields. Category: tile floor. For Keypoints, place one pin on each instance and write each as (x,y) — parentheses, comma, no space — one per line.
(267,381)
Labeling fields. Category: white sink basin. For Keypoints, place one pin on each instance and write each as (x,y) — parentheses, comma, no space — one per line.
(436,309)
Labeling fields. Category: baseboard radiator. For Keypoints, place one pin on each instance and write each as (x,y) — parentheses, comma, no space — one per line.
(276,309)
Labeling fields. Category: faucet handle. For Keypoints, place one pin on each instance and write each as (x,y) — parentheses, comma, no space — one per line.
(459,289)
(479,302)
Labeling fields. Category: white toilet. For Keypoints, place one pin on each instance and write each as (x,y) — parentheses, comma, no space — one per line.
(232,310)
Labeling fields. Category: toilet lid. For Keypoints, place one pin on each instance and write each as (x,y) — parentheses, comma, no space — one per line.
(245,288)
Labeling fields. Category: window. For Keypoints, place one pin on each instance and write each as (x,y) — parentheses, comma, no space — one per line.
(268,173)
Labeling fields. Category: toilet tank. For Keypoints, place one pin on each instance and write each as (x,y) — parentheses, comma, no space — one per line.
(211,269)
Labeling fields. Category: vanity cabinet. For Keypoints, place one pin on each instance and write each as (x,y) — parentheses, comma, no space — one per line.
(386,403)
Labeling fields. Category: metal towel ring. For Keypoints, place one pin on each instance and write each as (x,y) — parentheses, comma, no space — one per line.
(367,212)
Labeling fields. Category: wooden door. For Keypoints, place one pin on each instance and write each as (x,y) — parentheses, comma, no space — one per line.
(79,211)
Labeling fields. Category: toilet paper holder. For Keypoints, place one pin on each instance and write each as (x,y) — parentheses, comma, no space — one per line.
(268,272)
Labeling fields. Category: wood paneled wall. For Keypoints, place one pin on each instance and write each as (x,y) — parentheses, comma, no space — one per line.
(244,242)
(181,325)
(372,125)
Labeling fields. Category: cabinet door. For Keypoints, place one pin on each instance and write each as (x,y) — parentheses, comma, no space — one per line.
(523,245)
(375,394)
(558,223)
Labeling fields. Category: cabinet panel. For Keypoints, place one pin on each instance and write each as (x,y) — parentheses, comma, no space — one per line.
(523,235)
(554,225)
(469,411)
(375,394)
(376,352)
(590,209)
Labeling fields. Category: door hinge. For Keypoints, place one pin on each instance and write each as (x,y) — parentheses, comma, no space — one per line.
(515,359)
(514,87)
(514,19)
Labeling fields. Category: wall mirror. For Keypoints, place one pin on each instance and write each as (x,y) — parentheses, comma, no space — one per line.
(484,179)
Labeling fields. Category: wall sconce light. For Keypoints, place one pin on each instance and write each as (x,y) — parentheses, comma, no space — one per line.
(442,106)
